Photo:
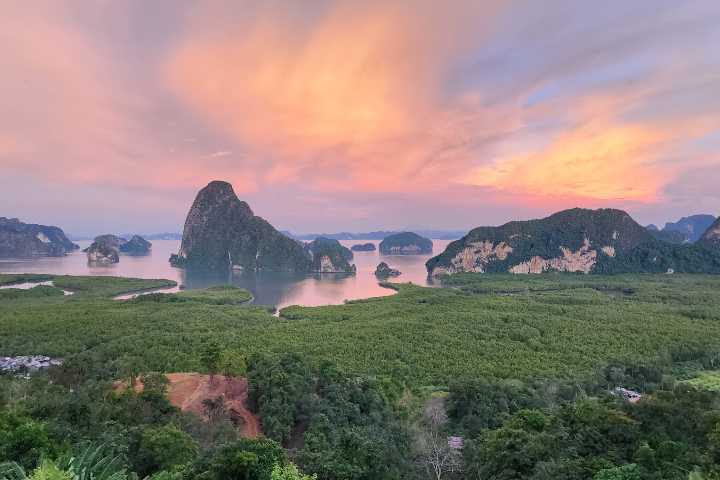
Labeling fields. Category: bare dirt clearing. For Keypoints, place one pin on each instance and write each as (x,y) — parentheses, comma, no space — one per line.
(187,391)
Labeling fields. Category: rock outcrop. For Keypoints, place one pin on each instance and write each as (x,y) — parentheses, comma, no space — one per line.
(20,240)
(222,232)
(105,249)
(576,240)
(329,256)
(406,243)
(363,247)
(137,245)
(383,271)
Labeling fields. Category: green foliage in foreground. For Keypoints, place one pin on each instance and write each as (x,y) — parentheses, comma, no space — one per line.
(493,340)
(665,436)
(346,427)
(289,472)
(550,326)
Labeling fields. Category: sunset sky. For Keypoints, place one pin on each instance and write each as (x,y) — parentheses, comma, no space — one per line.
(357,115)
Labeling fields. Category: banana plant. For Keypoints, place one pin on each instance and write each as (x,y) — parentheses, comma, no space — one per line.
(91,464)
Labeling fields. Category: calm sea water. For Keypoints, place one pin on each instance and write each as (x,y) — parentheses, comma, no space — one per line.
(275,289)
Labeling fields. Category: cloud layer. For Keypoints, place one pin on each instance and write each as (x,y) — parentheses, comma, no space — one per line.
(355,115)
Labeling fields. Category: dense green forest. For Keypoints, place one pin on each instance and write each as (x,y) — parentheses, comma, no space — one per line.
(520,369)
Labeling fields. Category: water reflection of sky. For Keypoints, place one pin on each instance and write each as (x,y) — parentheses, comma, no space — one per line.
(270,288)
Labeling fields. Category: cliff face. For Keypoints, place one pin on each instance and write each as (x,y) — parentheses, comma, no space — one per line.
(221,232)
(406,243)
(329,256)
(577,240)
(18,240)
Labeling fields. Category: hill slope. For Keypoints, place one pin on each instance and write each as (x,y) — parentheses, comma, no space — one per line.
(576,240)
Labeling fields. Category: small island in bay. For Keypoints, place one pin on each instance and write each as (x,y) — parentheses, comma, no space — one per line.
(363,247)
(384,271)
(406,243)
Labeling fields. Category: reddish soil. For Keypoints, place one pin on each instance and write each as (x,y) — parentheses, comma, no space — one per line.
(188,390)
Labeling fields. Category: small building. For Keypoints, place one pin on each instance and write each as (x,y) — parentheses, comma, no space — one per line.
(628,395)
(27,363)
(455,443)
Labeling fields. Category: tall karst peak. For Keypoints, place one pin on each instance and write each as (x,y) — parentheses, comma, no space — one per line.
(222,232)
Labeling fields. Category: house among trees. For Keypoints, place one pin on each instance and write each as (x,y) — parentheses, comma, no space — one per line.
(629,395)
(455,443)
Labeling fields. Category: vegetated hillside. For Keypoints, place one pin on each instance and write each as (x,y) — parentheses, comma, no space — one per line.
(670,236)
(711,238)
(222,232)
(576,240)
(517,369)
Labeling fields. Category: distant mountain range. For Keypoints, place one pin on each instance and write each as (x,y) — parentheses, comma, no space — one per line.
(146,236)
(378,235)
(686,230)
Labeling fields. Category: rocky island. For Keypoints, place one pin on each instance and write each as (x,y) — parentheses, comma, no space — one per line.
(329,256)
(222,232)
(406,243)
(384,271)
(575,240)
(363,247)
(137,245)
(20,240)
(105,249)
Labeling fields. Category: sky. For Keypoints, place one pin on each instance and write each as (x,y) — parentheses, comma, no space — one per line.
(357,115)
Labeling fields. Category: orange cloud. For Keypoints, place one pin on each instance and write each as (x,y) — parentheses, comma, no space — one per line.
(600,155)
(356,87)
(605,163)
